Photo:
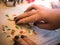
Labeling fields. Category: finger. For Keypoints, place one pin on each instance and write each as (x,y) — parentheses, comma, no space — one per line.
(45,26)
(20,41)
(26,14)
(35,7)
(30,42)
(30,19)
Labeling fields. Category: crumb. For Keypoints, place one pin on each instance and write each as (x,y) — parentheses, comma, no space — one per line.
(6,26)
(21,32)
(8,29)
(17,27)
(12,32)
(7,15)
(10,19)
(8,36)
(3,27)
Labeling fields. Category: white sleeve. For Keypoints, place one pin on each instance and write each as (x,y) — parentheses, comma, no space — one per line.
(47,37)
(55,4)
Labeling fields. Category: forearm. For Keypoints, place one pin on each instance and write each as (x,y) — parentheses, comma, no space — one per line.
(56,11)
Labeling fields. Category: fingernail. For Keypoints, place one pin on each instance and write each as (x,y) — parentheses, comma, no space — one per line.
(22,36)
(16,43)
(16,37)
(15,18)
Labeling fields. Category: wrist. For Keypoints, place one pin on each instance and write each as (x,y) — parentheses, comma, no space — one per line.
(57,13)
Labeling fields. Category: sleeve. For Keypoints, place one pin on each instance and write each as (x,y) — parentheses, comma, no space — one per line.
(55,4)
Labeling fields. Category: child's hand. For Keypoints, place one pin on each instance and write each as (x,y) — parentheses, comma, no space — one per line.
(50,17)
(24,40)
